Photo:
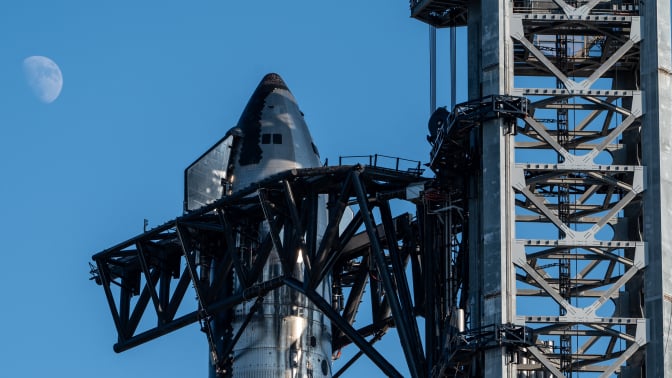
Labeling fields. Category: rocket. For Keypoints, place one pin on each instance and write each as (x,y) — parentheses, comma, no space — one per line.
(287,336)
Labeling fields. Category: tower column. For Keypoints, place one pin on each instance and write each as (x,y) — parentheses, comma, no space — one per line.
(656,134)
(492,280)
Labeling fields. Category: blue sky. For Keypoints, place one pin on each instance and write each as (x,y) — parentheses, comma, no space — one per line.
(148,86)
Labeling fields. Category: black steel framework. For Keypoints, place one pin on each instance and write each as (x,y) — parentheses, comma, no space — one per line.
(455,160)
(148,276)
(440,13)
(450,133)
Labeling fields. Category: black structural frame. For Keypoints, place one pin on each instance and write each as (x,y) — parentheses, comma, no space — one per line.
(374,251)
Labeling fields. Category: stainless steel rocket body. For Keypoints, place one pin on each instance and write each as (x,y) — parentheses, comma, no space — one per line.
(287,335)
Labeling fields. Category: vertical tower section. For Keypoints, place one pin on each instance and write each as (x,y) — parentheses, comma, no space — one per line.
(656,142)
(491,279)
(582,187)
(570,214)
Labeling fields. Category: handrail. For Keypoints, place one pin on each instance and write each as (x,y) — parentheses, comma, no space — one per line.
(373,160)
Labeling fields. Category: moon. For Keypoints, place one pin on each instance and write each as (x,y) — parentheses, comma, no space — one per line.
(44,78)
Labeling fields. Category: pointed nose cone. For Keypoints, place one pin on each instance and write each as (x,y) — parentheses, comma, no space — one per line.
(271,82)
(250,120)
(274,136)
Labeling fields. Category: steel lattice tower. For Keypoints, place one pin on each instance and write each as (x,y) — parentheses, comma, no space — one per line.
(581,184)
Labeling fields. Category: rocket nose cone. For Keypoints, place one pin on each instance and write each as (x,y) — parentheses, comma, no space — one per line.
(268,84)
(250,121)
(273,80)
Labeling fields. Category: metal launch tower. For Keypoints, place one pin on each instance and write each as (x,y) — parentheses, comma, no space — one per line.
(569,205)
(541,247)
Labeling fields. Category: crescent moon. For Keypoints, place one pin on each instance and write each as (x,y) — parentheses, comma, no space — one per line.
(44,78)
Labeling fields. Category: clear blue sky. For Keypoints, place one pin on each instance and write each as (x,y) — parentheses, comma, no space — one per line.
(148,86)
